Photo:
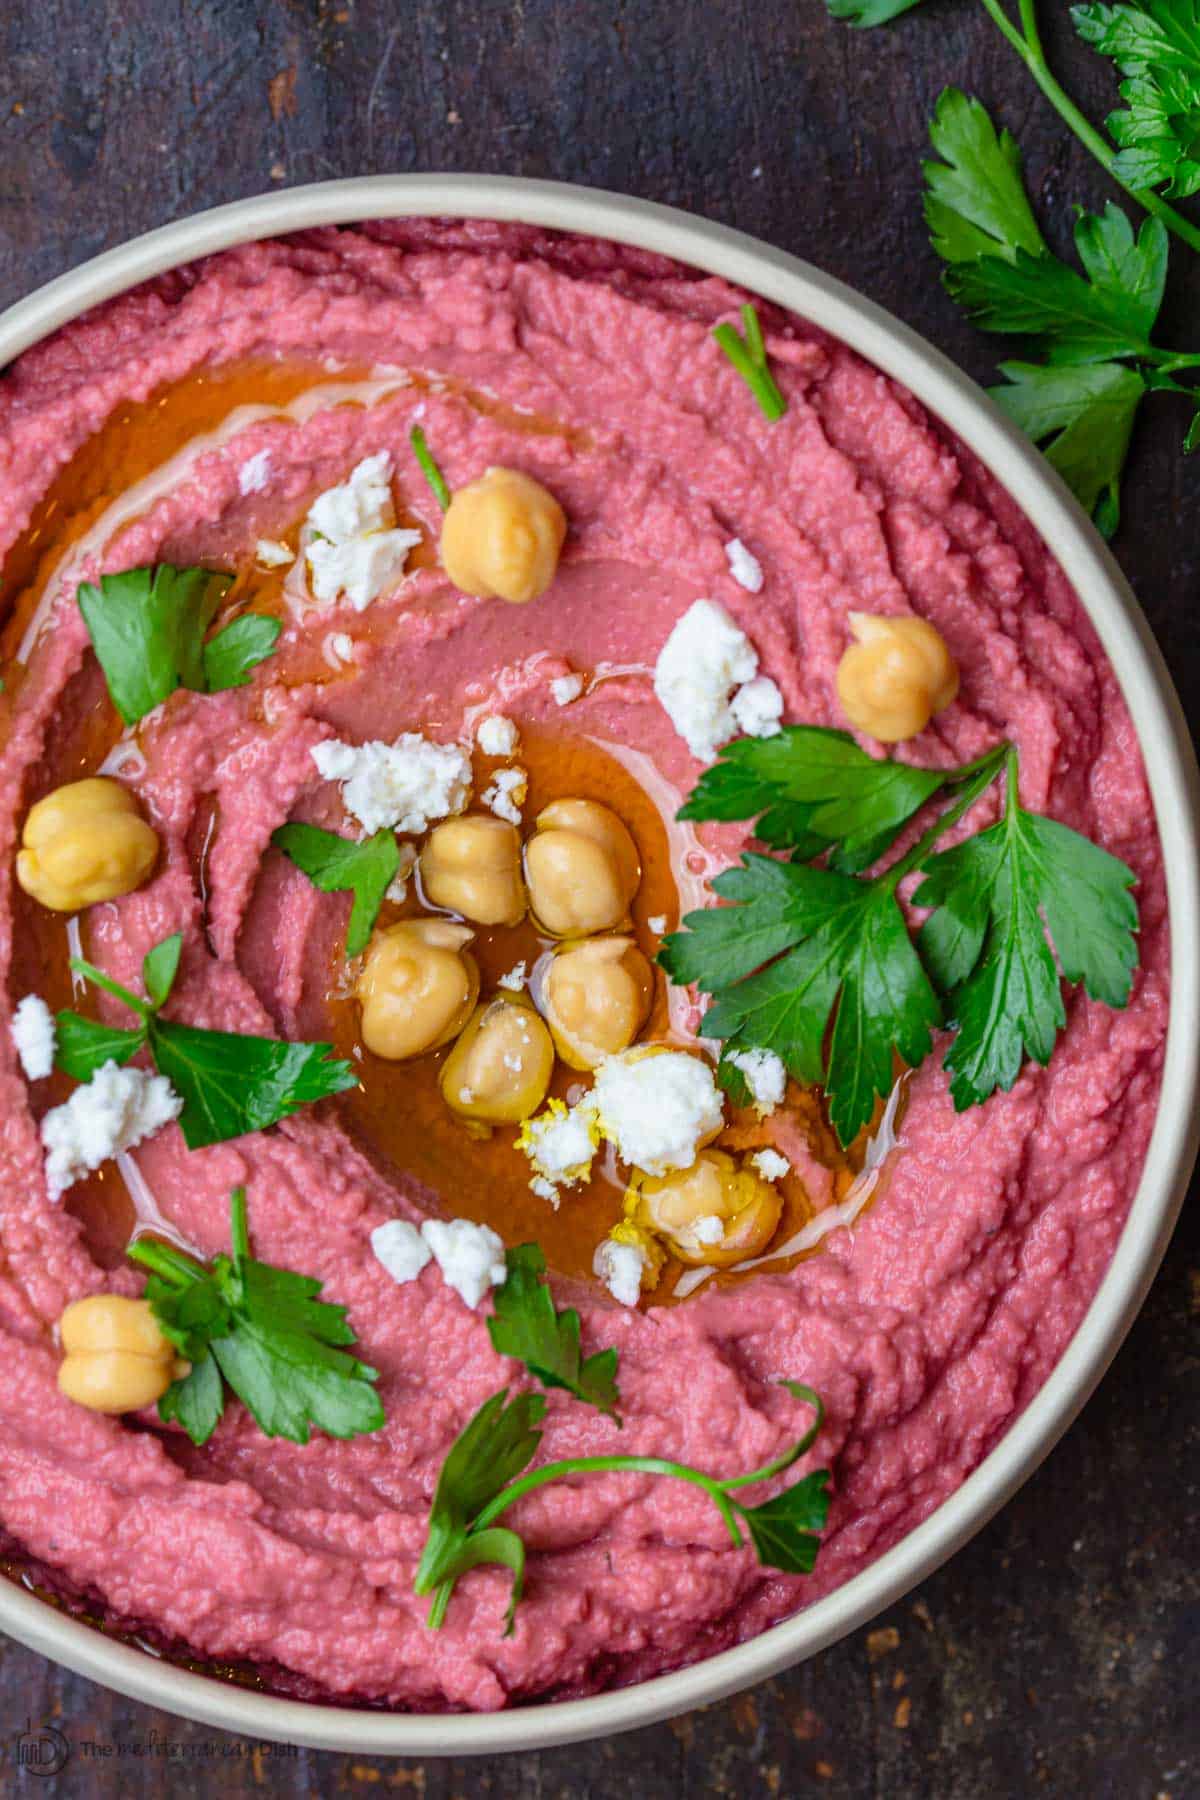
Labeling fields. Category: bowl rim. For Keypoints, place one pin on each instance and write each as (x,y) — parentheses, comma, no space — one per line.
(1174,781)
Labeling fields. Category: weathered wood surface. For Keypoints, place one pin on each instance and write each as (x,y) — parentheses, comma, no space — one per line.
(1057,1654)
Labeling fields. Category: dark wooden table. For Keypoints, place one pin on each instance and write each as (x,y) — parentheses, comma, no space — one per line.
(1058,1653)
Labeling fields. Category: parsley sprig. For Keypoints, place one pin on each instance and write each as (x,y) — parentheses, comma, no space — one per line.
(229,1083)
(262,1331)
(482,1477)
(748,354)
(1092,359)
(148,628)
(526,1325)
(814,960)
(335,864)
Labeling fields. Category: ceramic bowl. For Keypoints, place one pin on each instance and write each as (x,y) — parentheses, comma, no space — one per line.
(1170,767)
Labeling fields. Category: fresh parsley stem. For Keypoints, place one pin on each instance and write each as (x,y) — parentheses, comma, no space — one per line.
(99,979)
(1028,46)
(163,1259)
(757,377)
(435,1618)
(238,1232)
(780,1463)
(429,468)
(754,336)
(989,768)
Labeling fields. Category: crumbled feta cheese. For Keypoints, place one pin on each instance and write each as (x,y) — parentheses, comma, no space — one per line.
(770,1165)
(745,569)
(470,1256)
(619,1267)
(657,1110)
(705,656)
(34,1036)
(515,980)
(405,785)
(657,923)
(255,472)
(566,688)
(496,736)
(355,549)
(401,1249)
(560,1143)
(507,792)
(709,1228)
(342,645)
(546,1190)
(757,707)
(397,889)
(112,1112)
(765,1075)
(272,553)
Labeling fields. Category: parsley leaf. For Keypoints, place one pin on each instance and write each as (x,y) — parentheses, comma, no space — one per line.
(1082,417)
(229,1082)
(148,627)
(995,896)
(975,199)
(812,789)
(334,863)
(525,1325)
(865,13)
(1157,44)
(482,1477)
(265,1332)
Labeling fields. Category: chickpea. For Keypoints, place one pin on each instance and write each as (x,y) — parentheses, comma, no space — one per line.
(581,868)
(116,1357)
(500,1068)
(472,866)
(417,987)
(596,999)
(501,537)
(83,843)
(895,677)
(715,1187)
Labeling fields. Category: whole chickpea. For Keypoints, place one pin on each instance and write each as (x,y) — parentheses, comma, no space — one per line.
(581,868)
(596,998)
(417,987)
(895,677)
(83,843)
(687,1208)
(116,1358)
(500,1068)
(472,866)
(501,537)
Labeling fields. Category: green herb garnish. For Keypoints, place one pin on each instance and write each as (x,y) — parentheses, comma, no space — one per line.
(525,1325)
(1092,358)
(148,627)
(263,1331)
(334,864)
(817,963)
(429,468)
(748,355)
(482,1477)
(229,1083)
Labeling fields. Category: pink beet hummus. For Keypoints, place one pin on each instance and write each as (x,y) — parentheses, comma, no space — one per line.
(926,1328)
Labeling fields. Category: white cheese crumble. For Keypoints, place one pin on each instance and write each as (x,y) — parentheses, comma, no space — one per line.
(619,1267)
(355,549)
(496,736)
(401,1249)
(273,553)
(34,1036)
(705,656)
(397,889)
(470,1256)
(516,978)
(771,1165)
(255,472)
(709,1228)
(656,1110)
(506,794)
(758,707)
(561,1143)
(112,1112)
(657,923)
(566,688)
(405,785)
(745,568)
(546,1190)
(765,1075)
